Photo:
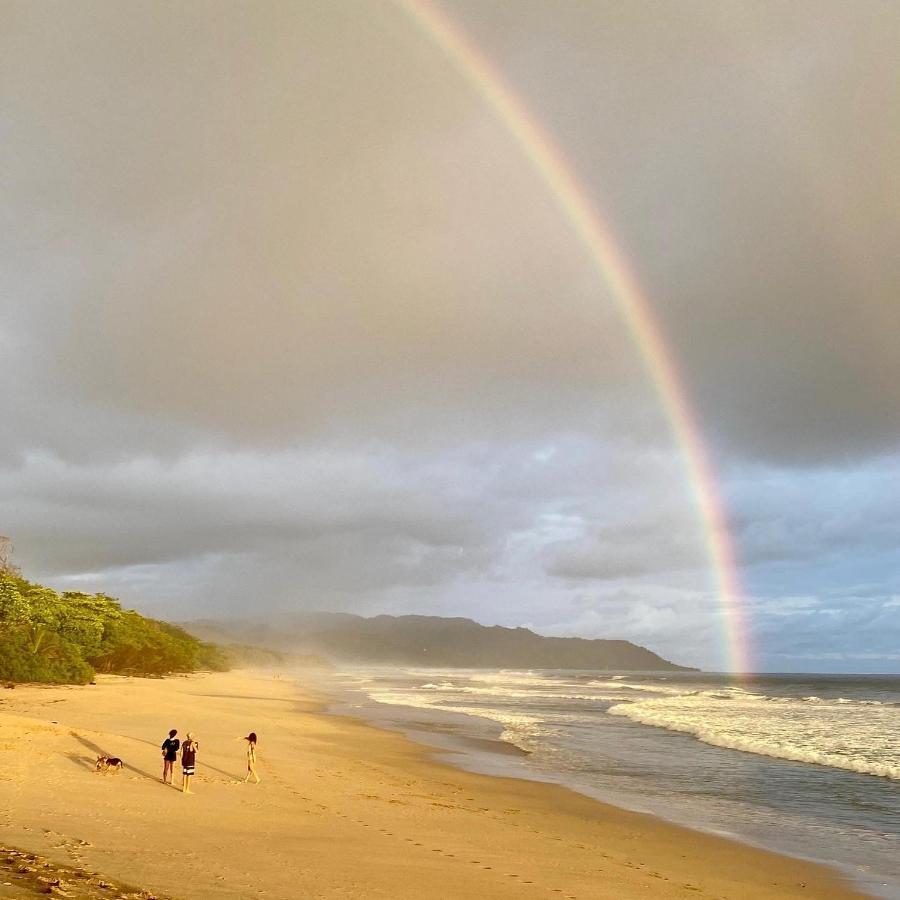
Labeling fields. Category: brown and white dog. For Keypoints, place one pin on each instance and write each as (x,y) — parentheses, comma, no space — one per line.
(105,763)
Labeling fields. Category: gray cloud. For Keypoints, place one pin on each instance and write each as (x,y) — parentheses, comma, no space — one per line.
(355,241)
(626,551)
(340,234)
(745,154)
(145,511)
(820,515)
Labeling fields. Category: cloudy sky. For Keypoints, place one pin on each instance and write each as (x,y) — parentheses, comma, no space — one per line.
(288,320)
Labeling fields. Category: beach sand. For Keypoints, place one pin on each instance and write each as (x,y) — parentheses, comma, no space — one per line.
(344,810)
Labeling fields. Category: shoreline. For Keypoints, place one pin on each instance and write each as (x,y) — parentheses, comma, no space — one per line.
(344,808)
(495,757)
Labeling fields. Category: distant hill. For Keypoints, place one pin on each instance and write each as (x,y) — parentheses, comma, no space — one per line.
(430,641)
(252,656)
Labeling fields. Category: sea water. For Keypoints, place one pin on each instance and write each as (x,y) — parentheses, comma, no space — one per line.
(807,765)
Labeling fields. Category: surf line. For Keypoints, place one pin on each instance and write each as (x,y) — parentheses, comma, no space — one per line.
(614,270)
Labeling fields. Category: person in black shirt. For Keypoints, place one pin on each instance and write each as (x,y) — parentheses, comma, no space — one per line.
(169,754)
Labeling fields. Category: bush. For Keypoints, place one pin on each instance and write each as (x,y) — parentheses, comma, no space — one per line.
(63,664)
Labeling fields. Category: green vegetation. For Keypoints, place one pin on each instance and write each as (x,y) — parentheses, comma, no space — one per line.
(246,655)
(65,638)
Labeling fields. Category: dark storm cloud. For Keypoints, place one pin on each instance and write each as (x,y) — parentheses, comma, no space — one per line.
(268,253)
(747,155)
(346,238)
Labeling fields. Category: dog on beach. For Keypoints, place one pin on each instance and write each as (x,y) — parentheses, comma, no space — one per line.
(105,763)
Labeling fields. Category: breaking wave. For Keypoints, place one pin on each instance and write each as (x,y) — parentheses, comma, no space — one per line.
(852,734)
(856,735)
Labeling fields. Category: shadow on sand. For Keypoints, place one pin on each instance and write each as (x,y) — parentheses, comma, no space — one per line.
(200,762)
(83,762)
(97,750)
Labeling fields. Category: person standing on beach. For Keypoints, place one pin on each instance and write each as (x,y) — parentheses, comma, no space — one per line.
(251,757)
(169,754)
(188,760)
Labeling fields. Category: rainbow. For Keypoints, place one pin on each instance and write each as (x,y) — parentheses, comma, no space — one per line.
(612,266)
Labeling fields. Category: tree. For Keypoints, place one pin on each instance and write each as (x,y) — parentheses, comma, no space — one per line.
(65,637)
(6,552)
(14,608)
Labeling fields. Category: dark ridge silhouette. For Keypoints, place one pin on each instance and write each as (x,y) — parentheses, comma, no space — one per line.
(430,641)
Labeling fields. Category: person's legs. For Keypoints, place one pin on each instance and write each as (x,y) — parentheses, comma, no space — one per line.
(186,784)
(167,771)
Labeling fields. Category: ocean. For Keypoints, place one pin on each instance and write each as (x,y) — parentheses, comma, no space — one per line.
(808,765)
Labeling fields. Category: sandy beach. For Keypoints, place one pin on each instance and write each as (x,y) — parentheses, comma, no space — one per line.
(343,810)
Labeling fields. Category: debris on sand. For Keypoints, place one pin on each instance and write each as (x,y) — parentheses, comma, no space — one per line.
(33,876)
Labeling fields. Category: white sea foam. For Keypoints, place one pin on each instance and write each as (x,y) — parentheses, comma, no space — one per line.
(500,692)
(854,734)
(511,677)
(522,730)
(507,685)
(507,677)
(636,687)
(860,736)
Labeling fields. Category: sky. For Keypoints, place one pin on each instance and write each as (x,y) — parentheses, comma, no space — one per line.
(288,320)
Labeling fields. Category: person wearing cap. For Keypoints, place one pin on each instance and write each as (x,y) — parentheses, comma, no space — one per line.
(251,757)
(188,760)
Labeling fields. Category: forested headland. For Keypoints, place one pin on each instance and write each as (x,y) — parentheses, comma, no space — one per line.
(67,637)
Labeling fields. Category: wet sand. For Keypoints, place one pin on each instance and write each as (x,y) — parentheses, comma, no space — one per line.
(344,810)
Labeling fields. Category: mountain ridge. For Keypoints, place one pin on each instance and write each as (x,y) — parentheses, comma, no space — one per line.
(454,642)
